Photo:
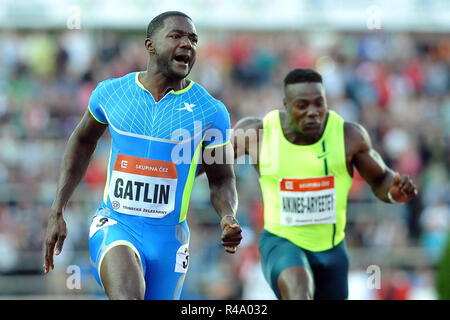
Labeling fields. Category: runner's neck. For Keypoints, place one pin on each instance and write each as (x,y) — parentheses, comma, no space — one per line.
(159,85)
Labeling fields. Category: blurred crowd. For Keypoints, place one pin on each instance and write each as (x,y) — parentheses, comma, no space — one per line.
(395,84)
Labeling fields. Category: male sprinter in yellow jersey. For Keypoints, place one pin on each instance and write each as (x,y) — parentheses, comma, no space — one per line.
(160,123)
(305,157)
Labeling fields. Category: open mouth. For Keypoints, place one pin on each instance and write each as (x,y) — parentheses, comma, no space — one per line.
(182,58)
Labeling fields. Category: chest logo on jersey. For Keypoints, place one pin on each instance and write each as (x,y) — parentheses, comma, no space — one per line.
(143,187)
(307,201)
(187,106)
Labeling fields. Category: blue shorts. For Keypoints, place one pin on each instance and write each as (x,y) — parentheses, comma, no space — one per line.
(329,269)
(162,249)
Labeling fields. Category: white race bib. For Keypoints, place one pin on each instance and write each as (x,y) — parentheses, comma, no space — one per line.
(99,222)
(307,201)
(182,259)
(143,187)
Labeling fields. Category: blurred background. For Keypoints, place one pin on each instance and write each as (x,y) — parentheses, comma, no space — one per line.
(385,65)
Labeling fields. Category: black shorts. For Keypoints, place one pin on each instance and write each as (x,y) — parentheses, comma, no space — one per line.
(329,269)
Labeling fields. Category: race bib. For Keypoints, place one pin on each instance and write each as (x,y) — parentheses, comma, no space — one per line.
(100,222)
(307,201)
(143,187)
(182,259)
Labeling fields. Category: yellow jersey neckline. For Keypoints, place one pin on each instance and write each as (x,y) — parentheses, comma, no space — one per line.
(181,91)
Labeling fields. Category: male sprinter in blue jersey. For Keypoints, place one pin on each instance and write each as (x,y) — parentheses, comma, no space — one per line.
(305,157)
(160,123)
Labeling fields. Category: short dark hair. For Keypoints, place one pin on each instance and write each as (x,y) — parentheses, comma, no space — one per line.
(302,75)
(158,21)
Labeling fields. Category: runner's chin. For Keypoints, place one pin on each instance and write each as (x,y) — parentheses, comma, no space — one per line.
(180,70)
(312,128)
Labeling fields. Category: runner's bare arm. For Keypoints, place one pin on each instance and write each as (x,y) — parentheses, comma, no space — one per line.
(246,137)
(77,155)
(223,194)
(386,184)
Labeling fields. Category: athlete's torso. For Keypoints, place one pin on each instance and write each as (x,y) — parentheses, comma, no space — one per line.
(305,187)
(155,145)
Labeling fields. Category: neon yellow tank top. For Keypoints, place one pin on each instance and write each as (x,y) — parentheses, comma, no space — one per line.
(305,187)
